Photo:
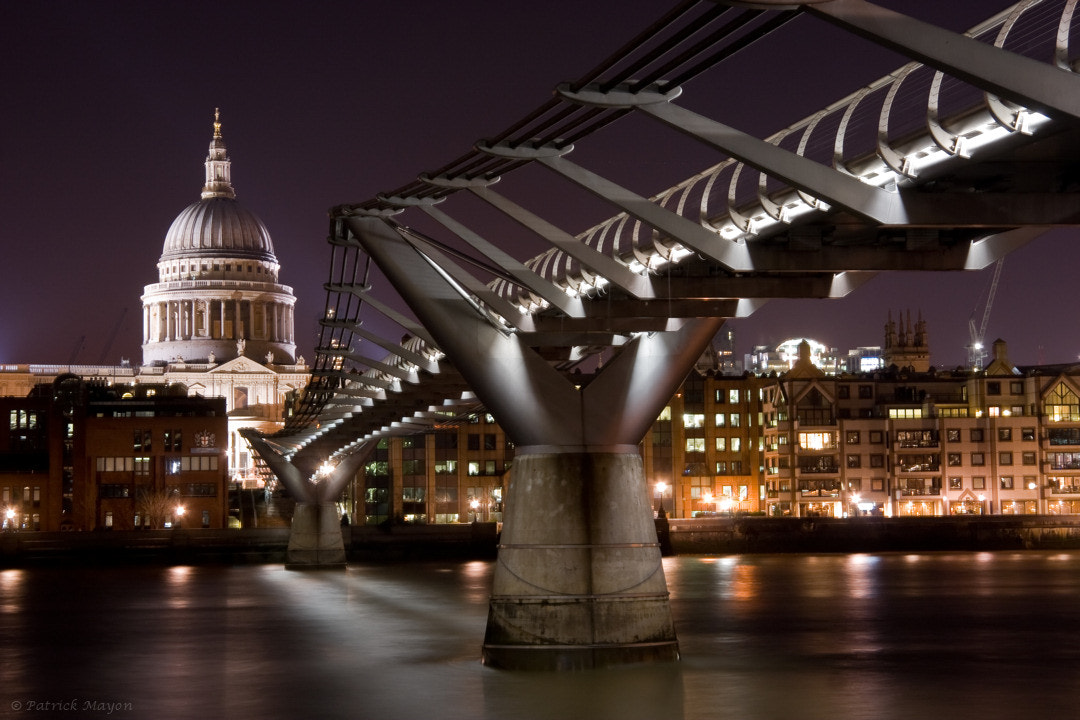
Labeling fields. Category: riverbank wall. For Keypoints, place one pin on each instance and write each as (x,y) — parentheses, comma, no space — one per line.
(753,534)
(698,536)
(198,546)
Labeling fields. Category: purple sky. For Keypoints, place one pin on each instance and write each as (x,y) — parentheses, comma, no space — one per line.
(107,112)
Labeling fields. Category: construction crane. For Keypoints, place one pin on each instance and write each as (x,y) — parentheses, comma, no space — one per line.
(112,338)
(77,349)
(977,348)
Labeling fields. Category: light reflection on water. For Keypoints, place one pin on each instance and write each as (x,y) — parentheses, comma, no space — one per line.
(833,636)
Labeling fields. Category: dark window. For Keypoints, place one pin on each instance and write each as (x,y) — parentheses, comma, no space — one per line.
(446,441)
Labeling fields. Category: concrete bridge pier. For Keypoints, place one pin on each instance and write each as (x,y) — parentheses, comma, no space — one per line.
(315,534)
(315,538)
(578,581)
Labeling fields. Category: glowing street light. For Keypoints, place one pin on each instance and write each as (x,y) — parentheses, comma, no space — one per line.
(475,505)
(660,488)
(180,510)
(9,518)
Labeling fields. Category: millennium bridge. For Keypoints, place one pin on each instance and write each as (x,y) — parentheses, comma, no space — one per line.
(949,162)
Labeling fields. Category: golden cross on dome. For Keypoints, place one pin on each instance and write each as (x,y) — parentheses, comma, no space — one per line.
(217,123)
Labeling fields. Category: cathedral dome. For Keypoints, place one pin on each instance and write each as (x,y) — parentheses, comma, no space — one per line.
(217,296)
(218,226)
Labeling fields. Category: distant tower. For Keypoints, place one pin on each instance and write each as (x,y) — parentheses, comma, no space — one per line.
(217,295)
(911,350)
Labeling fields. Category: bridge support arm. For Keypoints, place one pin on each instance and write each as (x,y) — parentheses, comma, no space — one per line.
(1034,84)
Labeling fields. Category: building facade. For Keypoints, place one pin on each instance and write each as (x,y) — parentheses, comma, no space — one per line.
(79,455)
(456,473)
(900,441)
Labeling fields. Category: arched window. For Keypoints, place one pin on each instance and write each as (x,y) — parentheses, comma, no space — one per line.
(814,409)
(1061,405)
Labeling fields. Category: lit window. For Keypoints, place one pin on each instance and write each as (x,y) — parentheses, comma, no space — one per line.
(816,441)
(695,444)
(693,420)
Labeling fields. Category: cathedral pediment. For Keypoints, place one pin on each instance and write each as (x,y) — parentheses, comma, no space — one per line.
(241,365)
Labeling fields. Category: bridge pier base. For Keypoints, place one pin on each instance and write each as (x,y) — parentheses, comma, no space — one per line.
(579,581)
(315,538)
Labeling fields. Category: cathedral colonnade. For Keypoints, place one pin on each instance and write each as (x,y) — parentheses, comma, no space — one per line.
(167,320)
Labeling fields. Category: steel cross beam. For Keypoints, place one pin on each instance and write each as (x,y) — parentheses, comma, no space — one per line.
(1036,85)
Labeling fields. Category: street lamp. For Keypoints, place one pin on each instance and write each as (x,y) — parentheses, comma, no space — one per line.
(180,510)
(475,505)
(9,521)
(660,488)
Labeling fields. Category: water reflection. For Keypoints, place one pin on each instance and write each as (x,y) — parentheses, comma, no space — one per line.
(859,636)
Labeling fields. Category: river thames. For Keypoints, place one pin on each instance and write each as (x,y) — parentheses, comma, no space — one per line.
(904,636)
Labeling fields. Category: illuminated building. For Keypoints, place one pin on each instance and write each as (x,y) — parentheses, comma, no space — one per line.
(217,323)
(79,455)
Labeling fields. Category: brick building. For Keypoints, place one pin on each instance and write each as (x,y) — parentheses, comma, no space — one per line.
(78,455)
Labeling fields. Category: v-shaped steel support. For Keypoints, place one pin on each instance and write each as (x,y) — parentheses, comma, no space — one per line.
(315,539)
(578,581)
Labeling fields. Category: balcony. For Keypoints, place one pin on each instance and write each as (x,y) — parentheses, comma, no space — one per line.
(1073,489)
(920,491)
(830,468)
(915,439)
(916,444)
(820,488)
(927,462)
(1057,437)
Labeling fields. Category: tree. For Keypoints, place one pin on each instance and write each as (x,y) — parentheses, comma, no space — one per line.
(156,505)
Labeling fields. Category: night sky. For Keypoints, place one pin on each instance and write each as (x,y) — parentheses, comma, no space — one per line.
(107,111)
